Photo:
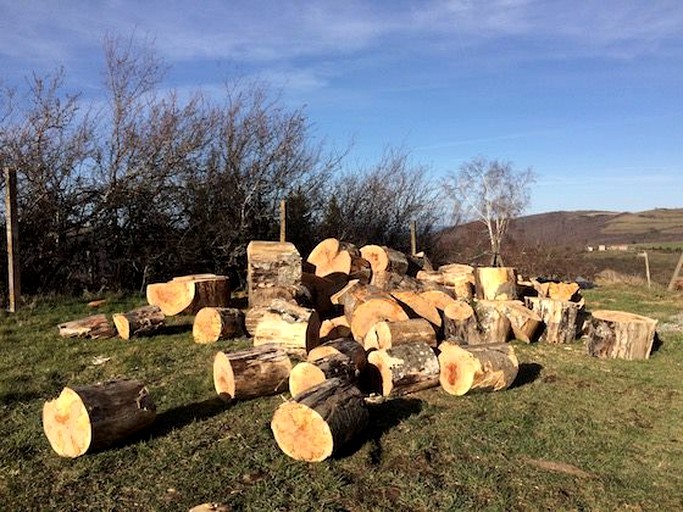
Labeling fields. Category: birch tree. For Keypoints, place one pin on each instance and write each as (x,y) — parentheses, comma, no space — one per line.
(494,193)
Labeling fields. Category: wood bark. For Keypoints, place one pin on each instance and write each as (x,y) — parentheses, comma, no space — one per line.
(89,418)
(622,335)
(189,294)
(418,307)
(496,283)
(460,324)
(346,346)
(213,324)
(319,422)
(331,257)
(142,321)
(294,328)
(308,374)
(405,368)
(481,368)
(391,334)
(493,325)
(561,319)
(251,373)
(92,327)
(273,272)
(525,323)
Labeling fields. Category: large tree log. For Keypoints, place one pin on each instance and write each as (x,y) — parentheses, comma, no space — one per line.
(460,324)
(345,346)
(405,368)
(496,283)
(139,322)
(493,325)
(459,278)
(308,374)
(331,257)
(93,327)
(618,334)
(188,295)
(273,272)
(88,418)
(384,259)
(213,324)
(418,307)
(391,334)
(294,328)
(372,311)
(561,319)
(482,368)
(251,373)
(320,421)
(525,323)
(335,328)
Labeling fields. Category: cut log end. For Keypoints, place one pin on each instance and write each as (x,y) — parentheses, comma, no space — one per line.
(223,377)
(302,433)
(304,376)
(67,425)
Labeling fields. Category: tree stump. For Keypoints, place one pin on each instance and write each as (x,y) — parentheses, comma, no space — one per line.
(493,325)
(496,283)
(525,323)
(345,346)
(391,334)
(251,373)
(561,319)
(308,374)
(89,418)
(188,294)
(92,327)
(405,368)
(460,324)
(479,368)
(273,272)
(320,421)
(294,328)
(139,322)
(213,324)
(622,335)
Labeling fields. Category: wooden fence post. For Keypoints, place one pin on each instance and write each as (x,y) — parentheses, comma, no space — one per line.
(676,273)
(647,268)
(283,221)
(11,219)
(413,237)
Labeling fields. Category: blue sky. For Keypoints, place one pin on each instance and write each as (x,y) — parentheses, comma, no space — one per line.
(588,93)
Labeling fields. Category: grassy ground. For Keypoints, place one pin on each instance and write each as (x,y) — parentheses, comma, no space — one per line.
(574,433)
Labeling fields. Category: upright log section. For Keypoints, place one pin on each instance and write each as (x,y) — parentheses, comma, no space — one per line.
(88,418)
(481,368)
(251,373)
(460,279)
(493,325)
(405,368)
(213,324)
(188,294)
(460,324)
(496,283)
(318,422)
(273,272)
(92,327)
(622,335)
(561,319)
(142,321)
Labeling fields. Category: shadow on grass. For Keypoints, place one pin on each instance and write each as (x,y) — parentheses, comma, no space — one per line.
(178,417)
(383,417)
(528,373)
(656,344)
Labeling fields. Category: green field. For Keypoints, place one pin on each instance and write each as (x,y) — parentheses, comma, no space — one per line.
(574,433)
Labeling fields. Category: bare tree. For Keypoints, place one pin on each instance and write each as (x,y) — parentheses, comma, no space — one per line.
(494,193)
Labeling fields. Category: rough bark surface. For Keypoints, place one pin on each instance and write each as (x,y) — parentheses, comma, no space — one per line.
(273,272)
(320,421)
(493,325)
(460,324)
(405,368)
(92,327)
(622,335)
(561,319)
(293,327)
(142,321)
(346,346)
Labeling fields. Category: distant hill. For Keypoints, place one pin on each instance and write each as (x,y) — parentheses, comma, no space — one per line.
(582,228)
